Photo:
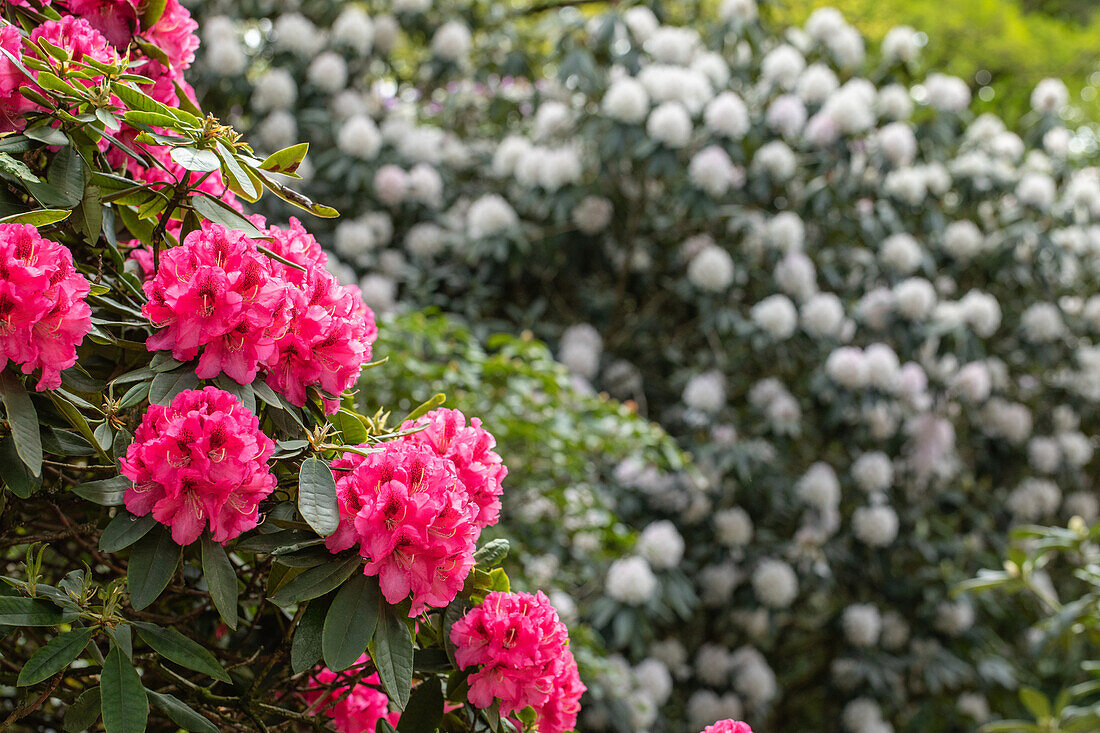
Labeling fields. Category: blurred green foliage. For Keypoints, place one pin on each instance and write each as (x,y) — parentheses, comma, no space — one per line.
(1016,42)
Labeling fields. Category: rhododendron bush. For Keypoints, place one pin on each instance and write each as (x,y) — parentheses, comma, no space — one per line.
(205,525)
(868,313)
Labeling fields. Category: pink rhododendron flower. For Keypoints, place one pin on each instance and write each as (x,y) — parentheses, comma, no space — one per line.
(470,448)
(330,329)
(43,316)
(12,103)
(361,710)
(523,650)
(411,517)
(78,37)
(728,726)
(201,459)
(216,292)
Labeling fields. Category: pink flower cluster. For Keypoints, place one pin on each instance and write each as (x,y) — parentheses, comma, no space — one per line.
(43,316)
(413,520)
(523,650)
(470,448)
(361,710)
(331,329)
(728,726)
(201,459)
(246,312)
(12,104)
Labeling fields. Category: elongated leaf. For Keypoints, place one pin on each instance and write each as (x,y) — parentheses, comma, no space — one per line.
(78,421)
(13,473)
(176,647)
(153,561)
(392,652)
(492,552)
(193,159)
(84,712)
(167,385)
(54,656)
(67,175)
(306,646)
(19,611)
(180,714)
(122,697)
(105,492)
(317,497)
(286,160)
(316,582)
(425,708)
(350,622)
(23,419)
(215,212)
(437,399)
(221,580)
(38,217)
(124,530)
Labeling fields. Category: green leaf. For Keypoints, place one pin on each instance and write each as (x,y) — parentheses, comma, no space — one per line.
(54,656)
(425,708)
(392,652)
(316,581)
(306,646)
(23,419)
(124,704)
(90,219)
(19,611)
(167,385)
(317,497)
(239,181)
(78,421)
(46,134)
(105,492)
(193,159)
(286,160)
(1036,702)
(437,399)
(492,552)
(13,473)
(153,561)
(180,713)
(351,427)
(84,712)
(350,622)
(221,580)
(219,213)
(176,647)
(38,217)
(66,173)
(124,530)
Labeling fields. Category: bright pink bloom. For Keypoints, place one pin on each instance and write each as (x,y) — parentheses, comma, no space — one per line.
(12,103)
(201,459)
(471,449)
(411,517)
(523,650)
(728,726)
(43,316)
(330,329)
(78,37)
(216,292)
(361,710)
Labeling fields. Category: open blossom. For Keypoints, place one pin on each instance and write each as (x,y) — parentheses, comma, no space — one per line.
(201,459)
(12,103)
(330,330)
(357,712)
(216,292)
(523,650)
(43,316)
(470,449)
(412,518)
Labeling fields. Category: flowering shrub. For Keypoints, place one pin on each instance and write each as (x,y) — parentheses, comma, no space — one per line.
(168,482)
(862,308)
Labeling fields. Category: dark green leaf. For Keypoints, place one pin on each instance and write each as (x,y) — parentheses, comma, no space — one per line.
(392,652)
(54,656)
(167,385)
(23,419)
(221,580)
(124,530)
(317,497)
(492,552)
(19,611)
(350,622)
(83,713)
(425,708)
(211,209)
(316,581)
(13,473)
(105,492)
(153,561)
(173,645)
(67,175)
(306,646)
(180,714)
(124,704)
